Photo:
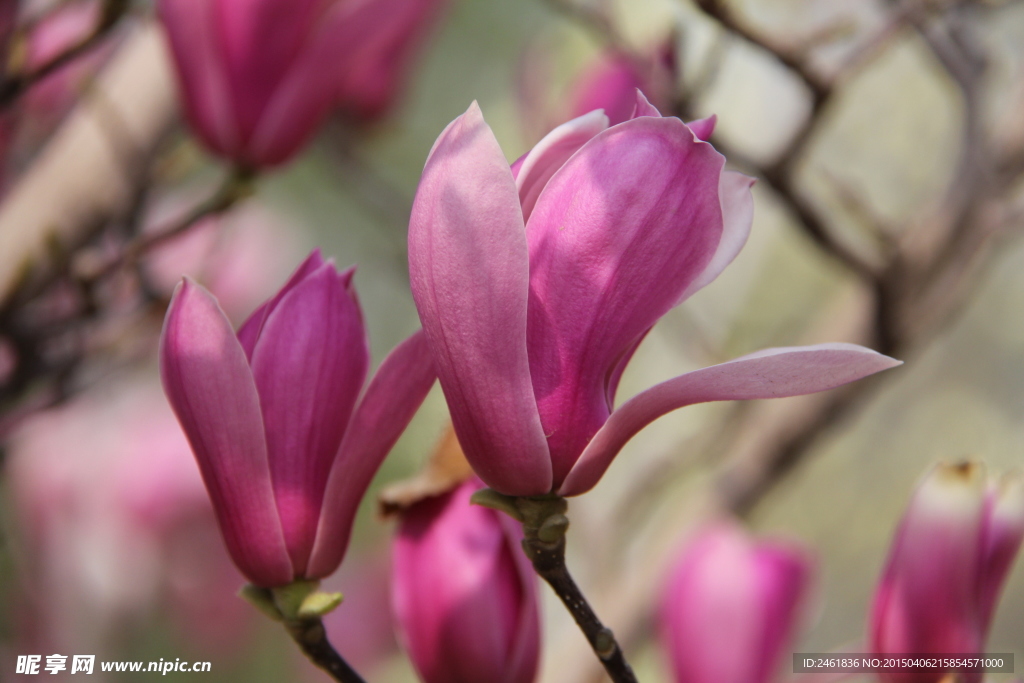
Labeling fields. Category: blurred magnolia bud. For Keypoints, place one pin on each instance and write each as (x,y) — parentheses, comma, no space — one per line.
(259,76)
(946,567)
(730,606)
(464,595)
(611,82)
(115,518)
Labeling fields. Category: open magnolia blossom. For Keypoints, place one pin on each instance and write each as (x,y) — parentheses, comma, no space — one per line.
(536,283)
(946,567)
(285,437)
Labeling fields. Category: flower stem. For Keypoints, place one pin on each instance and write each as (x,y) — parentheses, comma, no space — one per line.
(312,639)
(544,526)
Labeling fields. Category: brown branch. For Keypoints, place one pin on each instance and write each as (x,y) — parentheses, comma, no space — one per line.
(544,526)
(819,87)
(235,187)
(16,84)
(84,178)
(311,638)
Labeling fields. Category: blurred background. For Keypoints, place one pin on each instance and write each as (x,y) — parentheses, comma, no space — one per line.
(888,138)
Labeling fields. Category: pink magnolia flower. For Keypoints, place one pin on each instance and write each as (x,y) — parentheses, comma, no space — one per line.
(464,595)
(731,605)
(536,284)
(259,76)
(284,442)
(947,565)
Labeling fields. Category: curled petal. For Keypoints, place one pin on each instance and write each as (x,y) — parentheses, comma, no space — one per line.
(737,217)
(771,373)
(309,364)
(643,107)
(703,128)
(394,395)
(209,385)
(469,274)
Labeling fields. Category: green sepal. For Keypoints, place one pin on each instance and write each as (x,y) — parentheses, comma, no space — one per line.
(262,599)
(289,599)
(489,498)
(319,604)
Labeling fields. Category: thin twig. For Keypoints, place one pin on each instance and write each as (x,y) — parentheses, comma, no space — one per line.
(544,526)
(16,84)
(311,637)
(236,186)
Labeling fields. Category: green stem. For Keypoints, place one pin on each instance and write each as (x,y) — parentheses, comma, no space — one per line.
(544,526)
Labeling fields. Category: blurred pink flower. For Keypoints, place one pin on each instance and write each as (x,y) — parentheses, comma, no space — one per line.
(946,567)
(237,256)
(107,496)
(611,82)
(731,605)
(536,284)
(259,76)
(285,446)
(464,595)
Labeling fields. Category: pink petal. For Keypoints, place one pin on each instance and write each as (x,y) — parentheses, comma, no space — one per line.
(309,364)
(619,233)
(1003,534)
(250,330)
(643,107)
(469,275)
(771,373)
(193,33)
(259,42)
(927,600)
(703,128)
(394,394)
(784,574)
(551,153)
(737,217)
(209,385)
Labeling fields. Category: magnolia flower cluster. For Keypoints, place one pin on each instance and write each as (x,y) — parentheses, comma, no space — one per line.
(535,282)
